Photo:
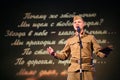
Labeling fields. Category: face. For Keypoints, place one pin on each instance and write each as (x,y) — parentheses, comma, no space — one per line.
(78,23)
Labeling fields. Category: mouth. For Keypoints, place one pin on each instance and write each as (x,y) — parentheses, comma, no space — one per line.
(77,27)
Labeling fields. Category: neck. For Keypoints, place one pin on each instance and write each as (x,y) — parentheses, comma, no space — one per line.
(81,32)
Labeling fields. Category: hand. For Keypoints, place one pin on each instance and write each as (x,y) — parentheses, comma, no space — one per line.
(51,51)
(107,50)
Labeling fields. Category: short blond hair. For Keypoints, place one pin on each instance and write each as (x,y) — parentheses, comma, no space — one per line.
(77,17)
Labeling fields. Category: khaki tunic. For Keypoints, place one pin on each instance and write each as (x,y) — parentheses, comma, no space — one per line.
(72,49)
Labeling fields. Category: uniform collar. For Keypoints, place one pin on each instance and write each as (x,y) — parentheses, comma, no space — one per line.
(82,35)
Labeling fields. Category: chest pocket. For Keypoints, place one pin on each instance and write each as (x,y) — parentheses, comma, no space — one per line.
(74,45)
(86,44)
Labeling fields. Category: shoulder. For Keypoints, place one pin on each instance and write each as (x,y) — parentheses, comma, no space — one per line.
(90,36)
(71,38)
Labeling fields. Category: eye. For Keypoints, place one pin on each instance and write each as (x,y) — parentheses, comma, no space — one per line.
(74,22)
(79,21)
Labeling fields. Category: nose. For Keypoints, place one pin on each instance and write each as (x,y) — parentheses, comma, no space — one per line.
(77,24)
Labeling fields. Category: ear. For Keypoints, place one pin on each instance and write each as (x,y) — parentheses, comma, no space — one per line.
(84,23)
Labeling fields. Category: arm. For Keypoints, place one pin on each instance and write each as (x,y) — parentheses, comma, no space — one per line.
(107,50)
(64,54)
(97,48)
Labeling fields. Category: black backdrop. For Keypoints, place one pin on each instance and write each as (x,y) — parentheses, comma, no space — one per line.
(29,27)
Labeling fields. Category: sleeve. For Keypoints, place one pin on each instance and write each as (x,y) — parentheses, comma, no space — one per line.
(106,50)
(64,53)
(97,48)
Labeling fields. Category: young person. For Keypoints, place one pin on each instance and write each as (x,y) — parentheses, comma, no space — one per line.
(79,48)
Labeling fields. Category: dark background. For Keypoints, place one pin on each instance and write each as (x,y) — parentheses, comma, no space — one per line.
(12,13)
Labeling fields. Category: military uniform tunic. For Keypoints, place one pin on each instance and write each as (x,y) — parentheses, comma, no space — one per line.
(72,50)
